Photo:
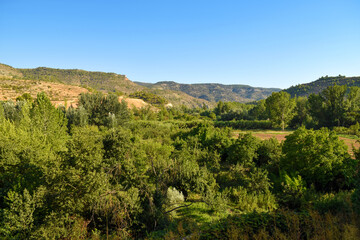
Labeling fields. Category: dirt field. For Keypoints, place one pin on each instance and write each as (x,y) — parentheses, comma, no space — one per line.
(280,136)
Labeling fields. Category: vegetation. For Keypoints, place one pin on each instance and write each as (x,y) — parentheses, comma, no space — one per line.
(216,92)
(97,80)
(102,171)
(280,108)
(322,83)
(149,98)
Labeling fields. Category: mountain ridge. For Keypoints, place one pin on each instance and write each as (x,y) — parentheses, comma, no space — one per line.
(305,89)
(214,92)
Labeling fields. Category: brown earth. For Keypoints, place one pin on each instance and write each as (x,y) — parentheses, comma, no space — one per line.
(134,103)
(60,94)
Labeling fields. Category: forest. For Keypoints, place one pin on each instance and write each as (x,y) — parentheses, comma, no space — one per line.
(105,171)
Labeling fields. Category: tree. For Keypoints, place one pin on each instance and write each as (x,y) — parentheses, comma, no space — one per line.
(300,113)
(334,99)
(104,110)
(49,121)
(259,111)
(318,156)
(30,165)
(280,108)
(222,108)
(316,110)
(244,150)
(352,116)
(329,107)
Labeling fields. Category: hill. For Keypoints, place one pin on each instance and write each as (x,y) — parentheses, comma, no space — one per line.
(15,81)
(97,80)
(214,92)
(60,94)
(319,85)
(190,95)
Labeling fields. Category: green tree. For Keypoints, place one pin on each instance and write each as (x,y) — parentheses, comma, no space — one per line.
(318,156)
(77,116)
(222,107)
(280,108)
(30,165)
(329,107)
(104,110)
(244,150)
(352,115)
(259,111)
(50,122)
(301,116)
(335,108)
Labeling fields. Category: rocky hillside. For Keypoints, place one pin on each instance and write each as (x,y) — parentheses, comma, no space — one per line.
(214,92)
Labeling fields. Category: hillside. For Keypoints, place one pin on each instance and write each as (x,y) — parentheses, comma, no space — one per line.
(15,81)
(190,95)
(60,94)
(317,86)
(98,80)
(214,92)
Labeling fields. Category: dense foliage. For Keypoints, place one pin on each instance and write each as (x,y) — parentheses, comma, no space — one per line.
(215,92)
(322,83)
(102,171)
(149,98)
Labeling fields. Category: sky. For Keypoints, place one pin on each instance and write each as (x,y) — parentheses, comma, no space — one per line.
(261,43)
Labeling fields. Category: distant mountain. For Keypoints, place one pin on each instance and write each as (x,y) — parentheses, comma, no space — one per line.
(214,92)
(317,86)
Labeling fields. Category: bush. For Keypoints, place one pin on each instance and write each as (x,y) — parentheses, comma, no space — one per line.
(293,192)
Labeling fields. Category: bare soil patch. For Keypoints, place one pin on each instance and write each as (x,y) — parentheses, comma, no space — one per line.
(134,102)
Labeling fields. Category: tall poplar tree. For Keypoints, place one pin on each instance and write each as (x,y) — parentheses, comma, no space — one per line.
(279,107)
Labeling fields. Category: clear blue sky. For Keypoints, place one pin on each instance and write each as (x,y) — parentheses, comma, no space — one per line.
(259,43)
